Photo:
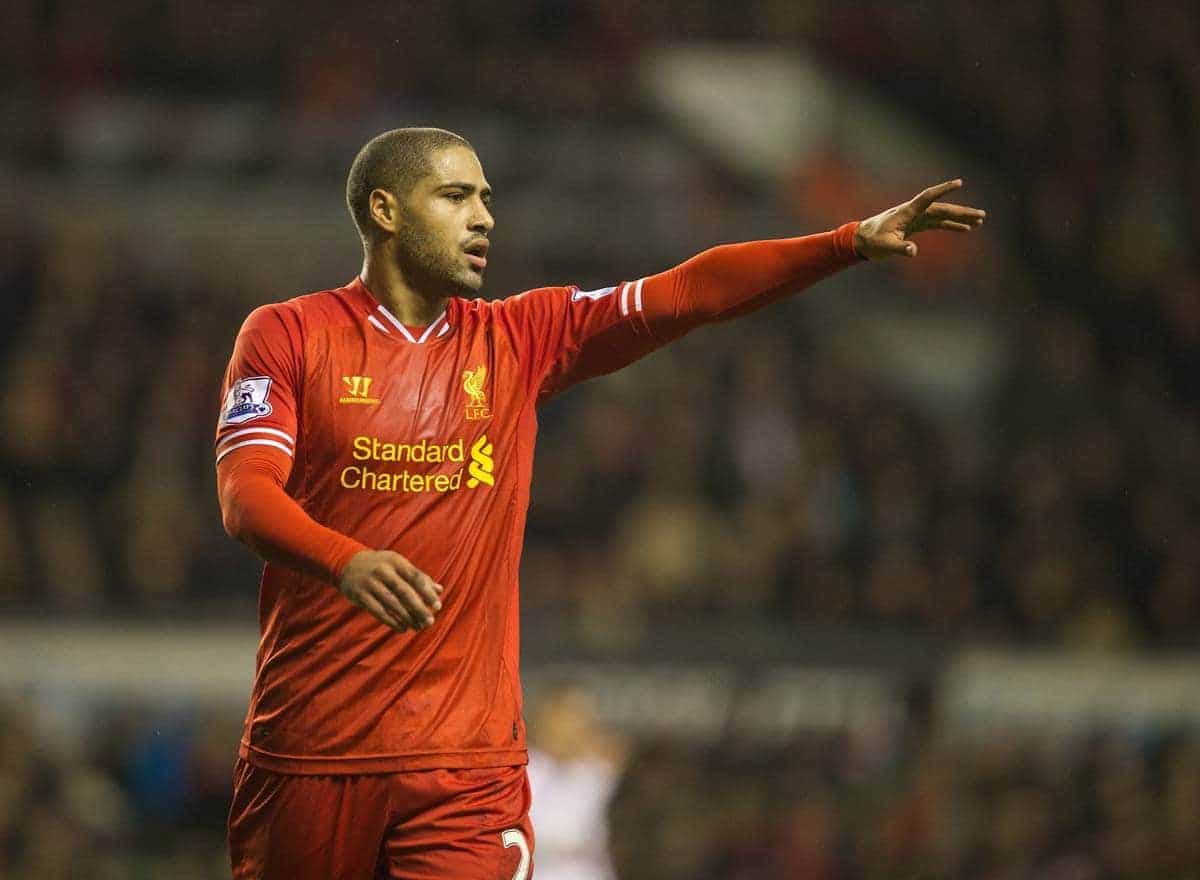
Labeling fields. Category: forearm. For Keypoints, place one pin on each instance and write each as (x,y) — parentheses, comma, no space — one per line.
(257,511)
(731,280)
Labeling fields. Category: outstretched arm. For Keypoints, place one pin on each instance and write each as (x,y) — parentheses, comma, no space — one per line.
(577,335)
(731,280)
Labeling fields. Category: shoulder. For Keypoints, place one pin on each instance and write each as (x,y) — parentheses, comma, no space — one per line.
(527,302)
(300,313)
(515,315)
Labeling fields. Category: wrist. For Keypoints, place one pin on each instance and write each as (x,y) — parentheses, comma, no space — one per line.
(858,242)
(342,559)
(850,242)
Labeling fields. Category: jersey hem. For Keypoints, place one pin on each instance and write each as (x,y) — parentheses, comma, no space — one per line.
(304,765)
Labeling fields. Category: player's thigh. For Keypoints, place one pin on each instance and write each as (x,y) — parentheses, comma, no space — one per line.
(478,829)
(285,827)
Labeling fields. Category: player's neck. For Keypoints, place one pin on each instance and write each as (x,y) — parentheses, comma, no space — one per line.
(386,283)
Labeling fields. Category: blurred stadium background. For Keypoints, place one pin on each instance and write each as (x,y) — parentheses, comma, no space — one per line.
(900,579)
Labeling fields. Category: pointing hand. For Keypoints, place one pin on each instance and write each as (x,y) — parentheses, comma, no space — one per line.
(888,234)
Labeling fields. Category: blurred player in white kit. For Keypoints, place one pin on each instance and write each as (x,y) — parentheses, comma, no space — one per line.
(574,767)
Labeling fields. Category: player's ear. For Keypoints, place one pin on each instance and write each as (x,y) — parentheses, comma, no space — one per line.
(384,210)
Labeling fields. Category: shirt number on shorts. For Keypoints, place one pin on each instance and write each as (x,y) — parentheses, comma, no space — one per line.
(514,837)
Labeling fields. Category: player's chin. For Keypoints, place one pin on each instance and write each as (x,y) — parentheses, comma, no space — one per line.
(471,278)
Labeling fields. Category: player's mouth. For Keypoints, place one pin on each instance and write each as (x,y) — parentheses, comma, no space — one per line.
(476,253)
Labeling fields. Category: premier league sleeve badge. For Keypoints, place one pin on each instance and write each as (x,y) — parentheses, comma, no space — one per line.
(246,401)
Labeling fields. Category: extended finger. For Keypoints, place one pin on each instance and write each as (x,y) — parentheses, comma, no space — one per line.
(957,213)
(927,197)
(952,226)
(382,593)
(413,604)
(408,571)
(381,613)
(429,590)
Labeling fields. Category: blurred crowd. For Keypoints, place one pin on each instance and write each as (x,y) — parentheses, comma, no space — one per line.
(834,808)
(146,793)
(792,481)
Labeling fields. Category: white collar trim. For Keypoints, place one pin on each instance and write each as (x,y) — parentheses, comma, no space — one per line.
(404,331)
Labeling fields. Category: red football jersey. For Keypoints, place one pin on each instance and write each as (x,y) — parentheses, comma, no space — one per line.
(422,443)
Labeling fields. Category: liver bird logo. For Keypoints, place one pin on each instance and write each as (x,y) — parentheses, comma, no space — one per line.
(473,382)
(473,385)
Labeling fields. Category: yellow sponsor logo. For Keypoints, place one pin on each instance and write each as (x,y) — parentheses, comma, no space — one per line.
(482,465)
(480,468)
(358,390)
(473,381)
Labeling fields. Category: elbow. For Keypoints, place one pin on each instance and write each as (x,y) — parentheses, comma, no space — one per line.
(231,521)
(232,512)
(241,524)
(246,496)
(691,307)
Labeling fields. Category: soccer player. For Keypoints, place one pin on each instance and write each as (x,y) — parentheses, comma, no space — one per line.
(375,447)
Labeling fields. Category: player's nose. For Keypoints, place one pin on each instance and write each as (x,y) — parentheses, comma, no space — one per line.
(482,220)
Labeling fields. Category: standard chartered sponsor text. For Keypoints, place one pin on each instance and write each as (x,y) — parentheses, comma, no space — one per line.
(372,449)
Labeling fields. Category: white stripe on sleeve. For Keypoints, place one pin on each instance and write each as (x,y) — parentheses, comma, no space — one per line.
(624,299)
(637,295)
(272,431)
(224,451)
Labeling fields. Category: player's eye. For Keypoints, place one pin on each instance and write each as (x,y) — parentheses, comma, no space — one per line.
(456,196)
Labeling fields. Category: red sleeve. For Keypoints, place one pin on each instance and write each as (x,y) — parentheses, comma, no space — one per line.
(262,383)
(258,512)
(575,335)
(256,443)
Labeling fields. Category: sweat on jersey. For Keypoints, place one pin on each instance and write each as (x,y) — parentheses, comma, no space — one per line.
(341,430)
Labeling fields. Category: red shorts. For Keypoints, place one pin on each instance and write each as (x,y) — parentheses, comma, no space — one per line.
(421,825)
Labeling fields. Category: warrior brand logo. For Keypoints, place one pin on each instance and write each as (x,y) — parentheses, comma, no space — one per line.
(473,384)
(247,400)
(358,390)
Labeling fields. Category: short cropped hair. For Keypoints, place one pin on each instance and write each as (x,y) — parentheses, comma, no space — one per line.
(394,161)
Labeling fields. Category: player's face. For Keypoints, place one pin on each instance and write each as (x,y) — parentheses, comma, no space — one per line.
(446,218)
